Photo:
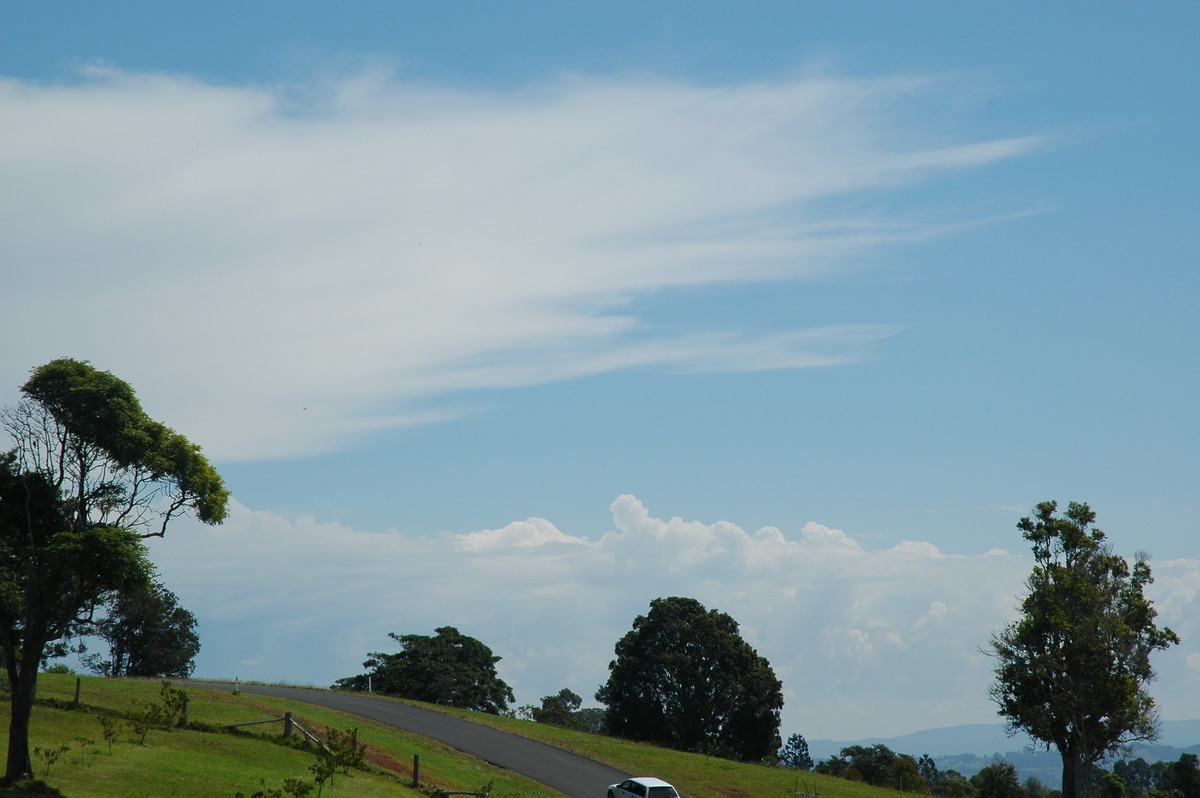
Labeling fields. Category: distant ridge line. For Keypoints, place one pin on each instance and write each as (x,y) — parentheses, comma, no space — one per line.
(986,739)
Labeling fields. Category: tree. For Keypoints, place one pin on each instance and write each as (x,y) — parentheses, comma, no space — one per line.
(998,780)
(1072,670)
(148,634)
(933,777)
(89,477)
(1136,775)
(795,755)
(559,710)
(906,775)
(684,678)
(876,765)
(1034,788)
(450,668)
(1183,776)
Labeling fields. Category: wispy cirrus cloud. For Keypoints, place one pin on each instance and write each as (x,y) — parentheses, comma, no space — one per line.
(279,269)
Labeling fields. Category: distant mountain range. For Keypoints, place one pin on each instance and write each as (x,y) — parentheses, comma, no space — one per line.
(970,747)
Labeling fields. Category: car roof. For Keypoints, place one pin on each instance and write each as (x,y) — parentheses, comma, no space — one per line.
(650,781)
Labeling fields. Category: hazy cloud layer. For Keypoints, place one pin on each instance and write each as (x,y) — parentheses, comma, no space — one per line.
(866,642)
(281,268)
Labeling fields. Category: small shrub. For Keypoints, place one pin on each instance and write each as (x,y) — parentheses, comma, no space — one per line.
(174,705)
(345,752)
(143,720)
(50,755)
(110,729)
(84,742)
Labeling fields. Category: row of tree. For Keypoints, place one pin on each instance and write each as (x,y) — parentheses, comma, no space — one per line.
(879,766)
(683,677)
(1071,671)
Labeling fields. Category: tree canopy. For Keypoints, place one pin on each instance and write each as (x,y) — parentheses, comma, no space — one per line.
(795,755)
(89,476)
(148,634)
(876,765)
(1072,670)
(684,678)
(448,668)
(558,710)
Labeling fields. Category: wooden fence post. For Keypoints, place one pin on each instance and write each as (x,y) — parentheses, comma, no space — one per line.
(287,724)
(77,683)
(416,771)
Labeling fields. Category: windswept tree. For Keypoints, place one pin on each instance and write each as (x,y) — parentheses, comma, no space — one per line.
(90,476)
(683,677)
(449,668)
(1073,668)
(148,634)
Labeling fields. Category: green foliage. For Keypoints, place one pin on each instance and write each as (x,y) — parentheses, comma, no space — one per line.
(143,718)
(174,702)
(166,713)
(998,780)
(50,754)
(878,766)
(1183,776)
(110,729)
(684,678)
(1111,786)
(84,744)
(86,429)
(340,752)
(795,755)
(449,668)
(1034,788)
(343,750)
(148,634)
(1072,670)
(89,477)
(558,710)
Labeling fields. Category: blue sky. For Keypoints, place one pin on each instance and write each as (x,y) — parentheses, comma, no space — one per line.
(517,316)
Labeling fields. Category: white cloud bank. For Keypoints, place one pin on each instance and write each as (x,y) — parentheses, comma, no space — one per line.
(866,642)
(279,269)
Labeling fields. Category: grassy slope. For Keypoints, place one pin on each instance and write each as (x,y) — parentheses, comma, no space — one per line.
(694,775)
(214,765)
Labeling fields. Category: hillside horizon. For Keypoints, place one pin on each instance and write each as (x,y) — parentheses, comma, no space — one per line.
(957,746)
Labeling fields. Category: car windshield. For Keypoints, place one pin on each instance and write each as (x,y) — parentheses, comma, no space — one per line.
(662,792)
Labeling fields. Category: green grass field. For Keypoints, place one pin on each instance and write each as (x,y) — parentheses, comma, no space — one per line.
(217,764)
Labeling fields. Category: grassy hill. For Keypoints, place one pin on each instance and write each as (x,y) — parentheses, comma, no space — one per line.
(205,761)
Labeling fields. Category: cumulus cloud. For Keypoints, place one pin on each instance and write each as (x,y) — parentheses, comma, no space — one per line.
(280,269)
(867,642)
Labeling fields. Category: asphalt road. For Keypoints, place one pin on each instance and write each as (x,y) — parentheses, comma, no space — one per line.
(559,770)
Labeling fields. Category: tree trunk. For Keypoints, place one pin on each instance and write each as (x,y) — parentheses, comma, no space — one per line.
(23,692)
(1072,774)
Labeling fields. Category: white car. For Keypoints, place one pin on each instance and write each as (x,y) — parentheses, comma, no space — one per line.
(642,787)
